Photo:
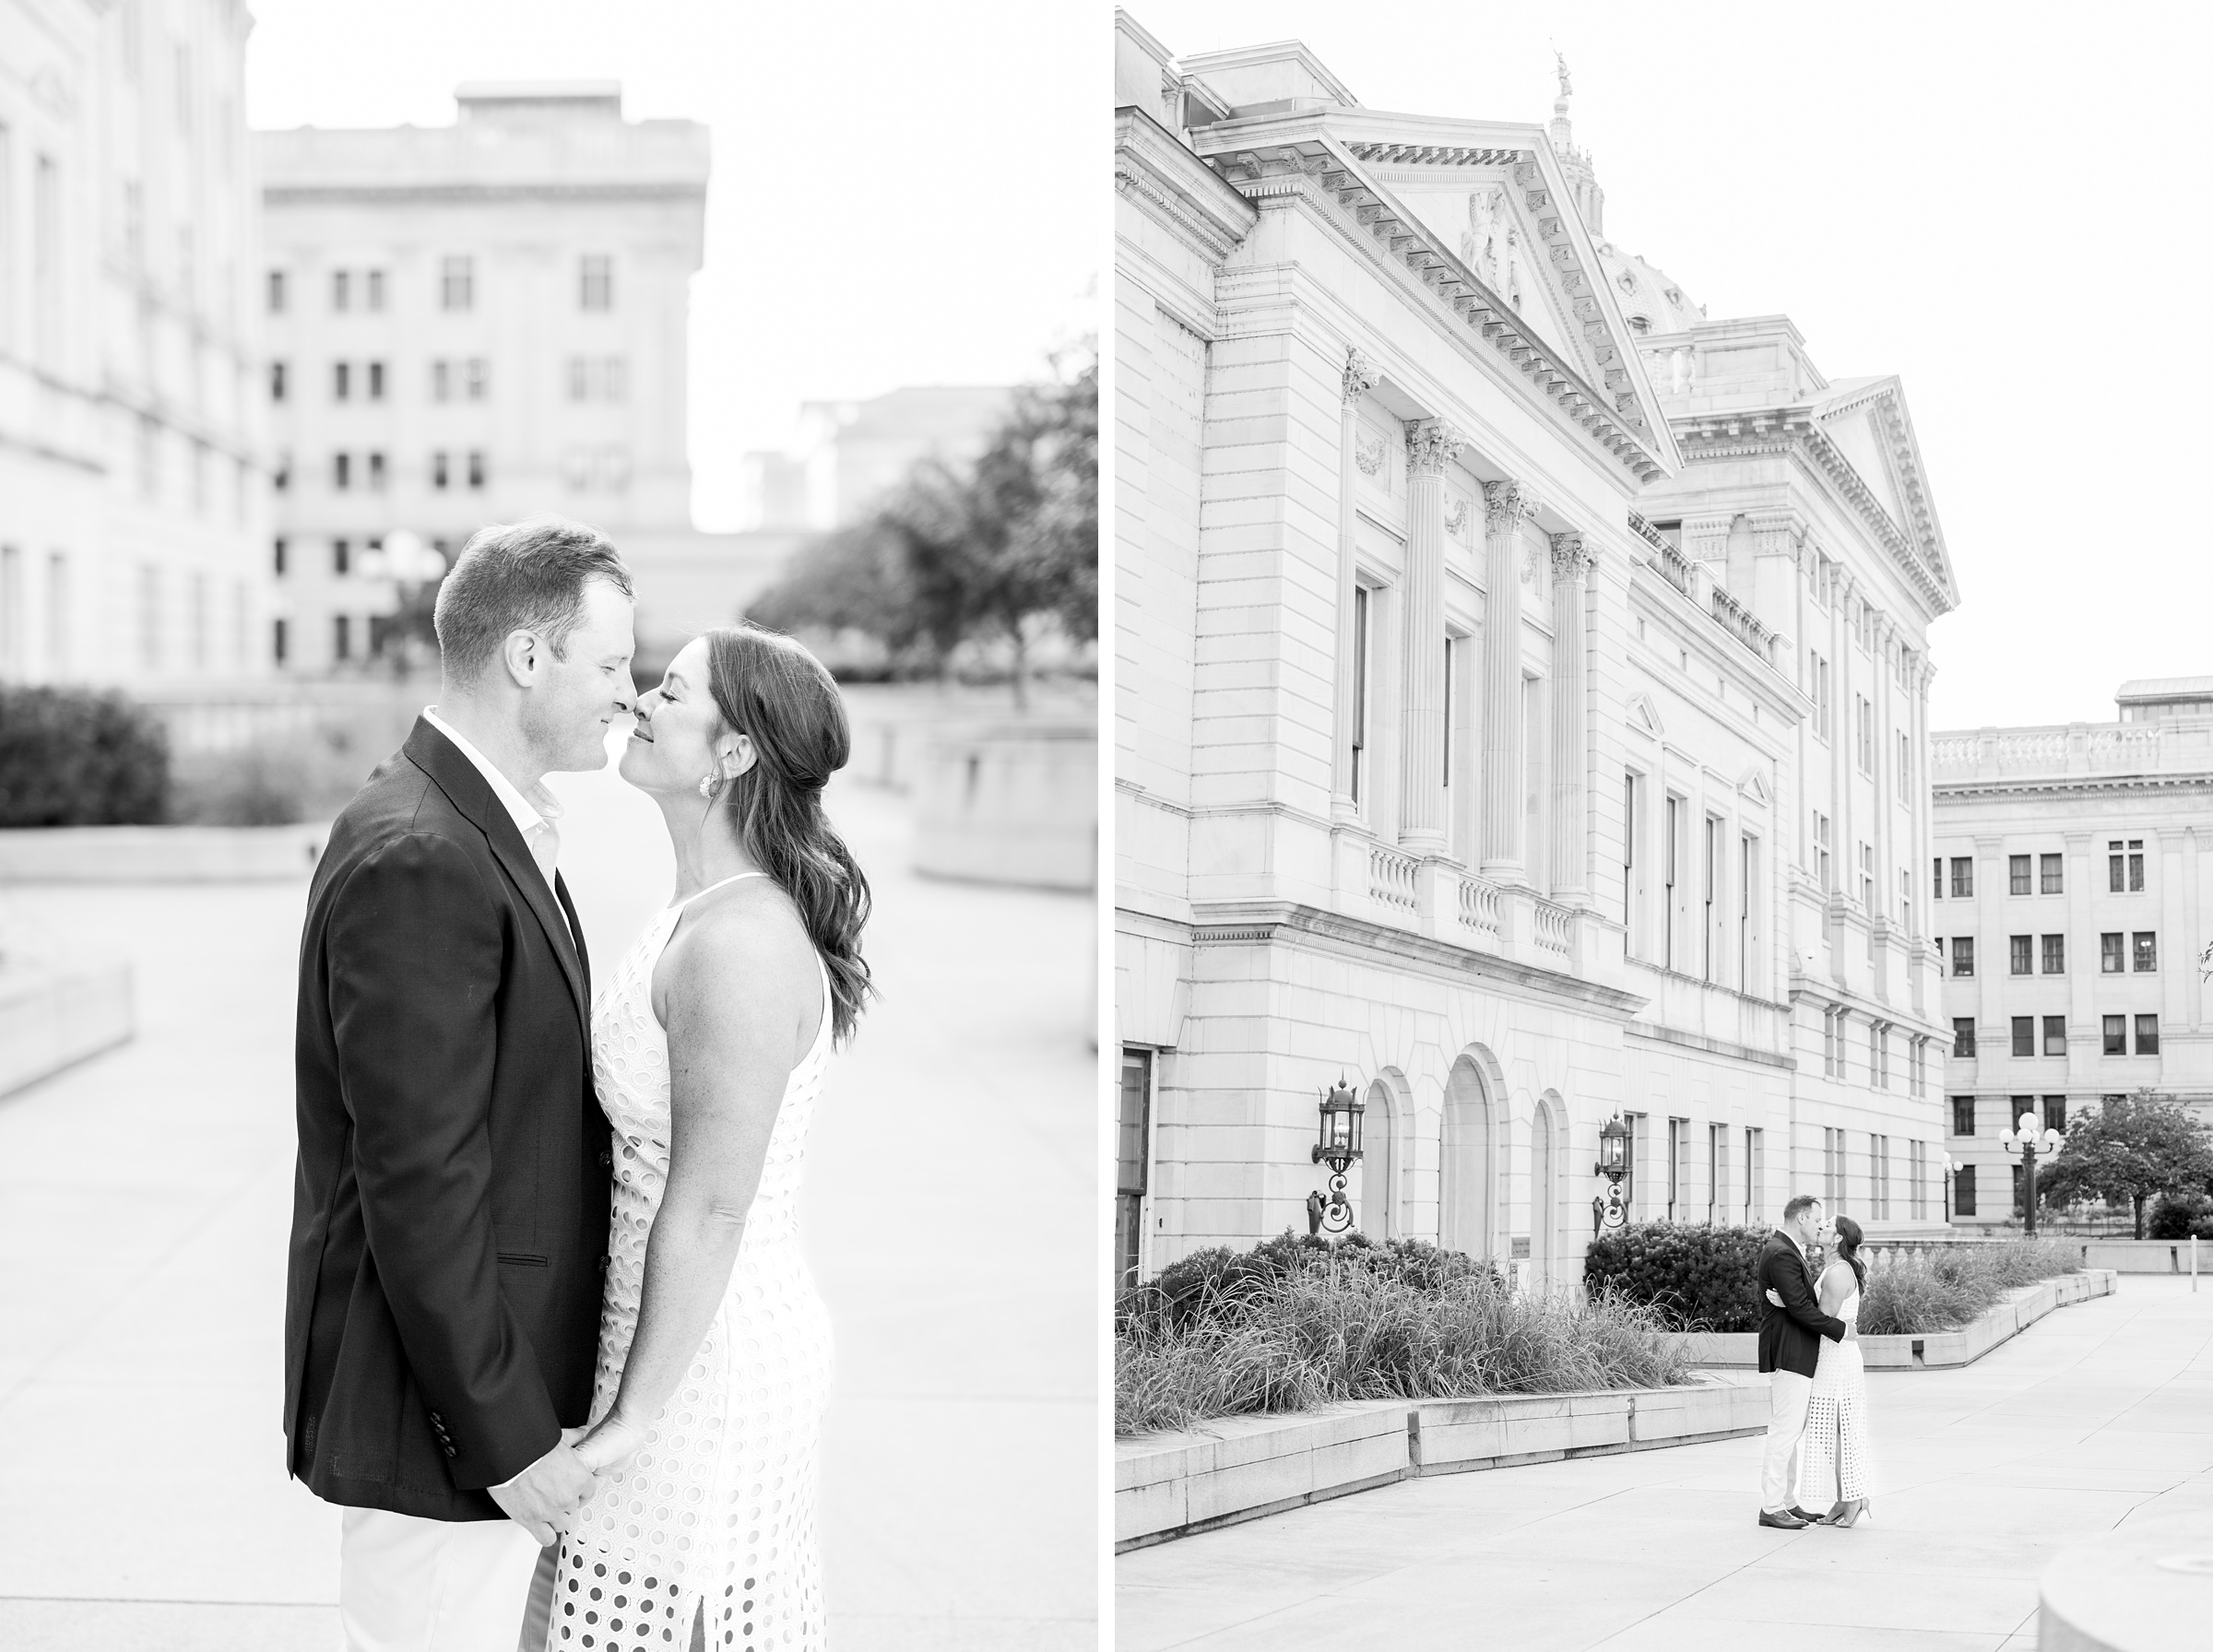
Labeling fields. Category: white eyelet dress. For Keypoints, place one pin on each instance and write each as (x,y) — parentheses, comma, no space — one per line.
(1834,1460)
(718,1508)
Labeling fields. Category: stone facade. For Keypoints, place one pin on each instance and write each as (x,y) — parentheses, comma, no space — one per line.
(477,323)
(1469,737)
(132,495)
(2076,864)
(846,454)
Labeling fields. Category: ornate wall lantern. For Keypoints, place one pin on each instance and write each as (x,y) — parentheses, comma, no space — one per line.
(1609,1213)
(1339,1148)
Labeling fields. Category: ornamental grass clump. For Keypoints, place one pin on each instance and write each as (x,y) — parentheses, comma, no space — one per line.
(1307,1327)
(1941,1290)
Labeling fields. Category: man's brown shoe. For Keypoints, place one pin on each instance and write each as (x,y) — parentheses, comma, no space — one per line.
(1782,1522)
(1807,1515)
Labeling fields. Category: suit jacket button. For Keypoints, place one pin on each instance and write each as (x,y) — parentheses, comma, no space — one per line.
(607,1160)
(449,1450)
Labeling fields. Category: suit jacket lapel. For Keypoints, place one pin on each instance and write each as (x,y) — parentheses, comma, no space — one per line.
(472,794)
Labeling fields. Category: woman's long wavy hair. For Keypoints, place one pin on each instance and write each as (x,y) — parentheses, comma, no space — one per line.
(1847,1247)
(770,689)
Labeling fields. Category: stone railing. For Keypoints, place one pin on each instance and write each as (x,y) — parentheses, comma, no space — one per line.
(2075,749)
(1647,532)
(1674,566)
(1555,929)
(1479,908)
(1737,618)
(1390,878)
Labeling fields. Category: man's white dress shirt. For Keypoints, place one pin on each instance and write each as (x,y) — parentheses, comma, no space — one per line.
(533,811)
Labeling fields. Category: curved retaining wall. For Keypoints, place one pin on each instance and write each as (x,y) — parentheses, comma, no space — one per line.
(159,853)
(2146,1587)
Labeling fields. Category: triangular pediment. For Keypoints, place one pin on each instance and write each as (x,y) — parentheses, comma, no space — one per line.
(1754,787)
(1869,447)
(1644,718)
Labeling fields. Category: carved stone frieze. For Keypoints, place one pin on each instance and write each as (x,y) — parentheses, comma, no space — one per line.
(1455,517)
(1368,453)
(1431,444)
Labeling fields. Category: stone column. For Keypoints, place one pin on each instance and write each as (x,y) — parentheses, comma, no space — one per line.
(1431,445)
(1571,566)
(1507,506)
(1361,375)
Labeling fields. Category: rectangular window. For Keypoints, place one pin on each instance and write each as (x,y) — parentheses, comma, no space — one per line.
(375,282)
(1713,881)
(1867,711)
(475,469)
(1879,1167)
(457,283)
(580,379)
(2146,951)
(341,471)
(275,292)
(1867,879)
(1832,1167)
(376,381)
(2018,954)
(1963,1115)
(2055,955)
(2109,953)
(2049,879)
(2024,1035)
(442,381)
(2016,874)
(2136,864)
(1963,875)
(340,288)
(341,556)
(614,378)
(341,381)
(376,470)
(1360,611)
(1632,904)
(596,282)
(2124,866)
(1669,850)
(1905,767)
(2056,1113)
(1754,1167)
(341,637)
(1828,1043)
(480,378)
(1445,755)
(1939,878)
(1917,1179)
(1963,1191)
(1963,1035)
(2148,1035)
(1821,871)
(1133,1133)
(1748,870)
(275,381)
(279,559)
(280,641)
(1717,1173)
(1963,955)
(438,470)
(2116,1034)
(2055,1036)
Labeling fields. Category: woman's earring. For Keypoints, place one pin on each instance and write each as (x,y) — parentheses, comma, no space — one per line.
(708,785)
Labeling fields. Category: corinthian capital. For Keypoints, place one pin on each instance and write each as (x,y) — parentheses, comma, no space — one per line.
(1507,505)
(1431,444)
(1570,561)
(1361,375)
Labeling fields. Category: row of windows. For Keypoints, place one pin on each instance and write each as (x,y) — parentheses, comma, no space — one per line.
(443,470)
(456,285)
(1838,1174)
(2124,872)
(375,628)
(1835,1045)
(588,378)
(2115,1031)
(341,554)
(2025,952)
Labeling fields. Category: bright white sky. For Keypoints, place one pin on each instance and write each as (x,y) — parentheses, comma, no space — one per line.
(2006,206)
(903,194)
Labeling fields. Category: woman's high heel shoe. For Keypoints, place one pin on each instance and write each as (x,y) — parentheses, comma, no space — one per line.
(1848,1514)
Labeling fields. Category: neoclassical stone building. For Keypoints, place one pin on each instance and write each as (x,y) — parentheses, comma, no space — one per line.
(1521,688)
(2071,873)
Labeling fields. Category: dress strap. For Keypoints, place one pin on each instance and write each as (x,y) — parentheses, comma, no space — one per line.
(734,878)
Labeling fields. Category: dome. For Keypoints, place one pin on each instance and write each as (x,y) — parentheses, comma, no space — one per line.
(1648,298)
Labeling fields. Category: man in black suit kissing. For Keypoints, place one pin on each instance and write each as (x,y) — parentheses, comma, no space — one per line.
(1790,1347)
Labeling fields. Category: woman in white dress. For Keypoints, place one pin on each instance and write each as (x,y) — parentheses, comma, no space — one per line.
(1834,1460)
(708,1050)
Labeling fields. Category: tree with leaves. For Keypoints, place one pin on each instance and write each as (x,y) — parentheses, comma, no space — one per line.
(2130,1148)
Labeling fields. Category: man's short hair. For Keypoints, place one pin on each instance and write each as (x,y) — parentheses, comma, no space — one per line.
(1798,1203)
(519,577)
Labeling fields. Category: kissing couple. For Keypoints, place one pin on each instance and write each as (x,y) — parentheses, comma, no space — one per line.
(550,1339)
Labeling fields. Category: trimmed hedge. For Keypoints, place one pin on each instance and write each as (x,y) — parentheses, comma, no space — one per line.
(72,757)
(1700,1279)
(1208,1284)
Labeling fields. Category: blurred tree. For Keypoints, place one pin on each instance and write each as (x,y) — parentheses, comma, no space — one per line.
(2130,1148)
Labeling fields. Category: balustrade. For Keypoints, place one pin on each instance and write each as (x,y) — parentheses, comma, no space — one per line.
(1479,908)
(1554,928)
(1390,878)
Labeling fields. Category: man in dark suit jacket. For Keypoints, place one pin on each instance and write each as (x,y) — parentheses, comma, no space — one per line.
(450,1213)
(1790,1347)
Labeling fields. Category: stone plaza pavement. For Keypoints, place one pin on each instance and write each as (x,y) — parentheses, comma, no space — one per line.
(144,1203)
(2098,1415)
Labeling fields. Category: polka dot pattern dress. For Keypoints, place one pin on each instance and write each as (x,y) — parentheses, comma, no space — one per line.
(716,1511)
(1833,1464)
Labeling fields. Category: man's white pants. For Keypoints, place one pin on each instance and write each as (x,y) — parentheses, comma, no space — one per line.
(1787,1393)
(410,1584)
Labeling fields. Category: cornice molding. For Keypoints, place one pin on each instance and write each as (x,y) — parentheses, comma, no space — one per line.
(1941,791)
(1179,189)
(474,194)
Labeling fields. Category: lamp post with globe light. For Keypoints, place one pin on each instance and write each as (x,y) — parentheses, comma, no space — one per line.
(413,567)
(2027,1142)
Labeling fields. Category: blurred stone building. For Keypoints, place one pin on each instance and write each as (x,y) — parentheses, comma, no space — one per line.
(845,457)
(132,503)
(2071,881)
(1522,698)
(477,323)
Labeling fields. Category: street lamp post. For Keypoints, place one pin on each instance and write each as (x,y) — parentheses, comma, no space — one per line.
(1608,1213)
(1951,1167)
(1339,1150)
(2028,1141)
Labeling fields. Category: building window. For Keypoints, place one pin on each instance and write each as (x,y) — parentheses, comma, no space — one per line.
(2148,1035)
(1917,1179)
(1832,1167)
(1711,879)
(374,280)
(438,470)
(1821,871)
(479,378)
(2018,950)
(279,559)
(2049,878)
(2024,1035)
(1905,766)
(1828,1043)
(1963,875)
(279,639)
(1963,1115)
(376,381)
(341,471)
(341,556)
(1754,1165)
(2109,953)
(1362,605)
(341,637)
(1879,1164)
(2146,951)
(442,381)
(475,469)
(596,282)
(1963,1035)
(1866,710)
(1963,1191)
(2119,864)
(280,478)
(2056,1113)
(2116,1034)
(1133,1162)
(2055,950)
(1670,857)
(1939,878)
(341,381)
(376,471)
(275,292)
(341,289)
(1963,955)
(457,283)
(2016,874)
(2055,1036)
(1867,879)
(275,381)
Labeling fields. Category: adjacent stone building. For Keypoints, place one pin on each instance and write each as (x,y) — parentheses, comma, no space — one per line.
(2071,881)
(132,496)
(1520,697)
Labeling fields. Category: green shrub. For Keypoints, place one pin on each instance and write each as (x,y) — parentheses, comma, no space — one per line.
(1210,1283)
(72,757)
(2178,1215)
(1371,1322)
(1698,1278)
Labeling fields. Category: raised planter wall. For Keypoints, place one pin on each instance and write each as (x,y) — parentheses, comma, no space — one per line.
(1931,1349)
(2145,1256)
(51,1019)
(159,853)
(1015,803)
(1170,1485)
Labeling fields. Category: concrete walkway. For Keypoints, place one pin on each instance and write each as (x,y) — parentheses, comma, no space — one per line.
(2101,1413)
(145,1199)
